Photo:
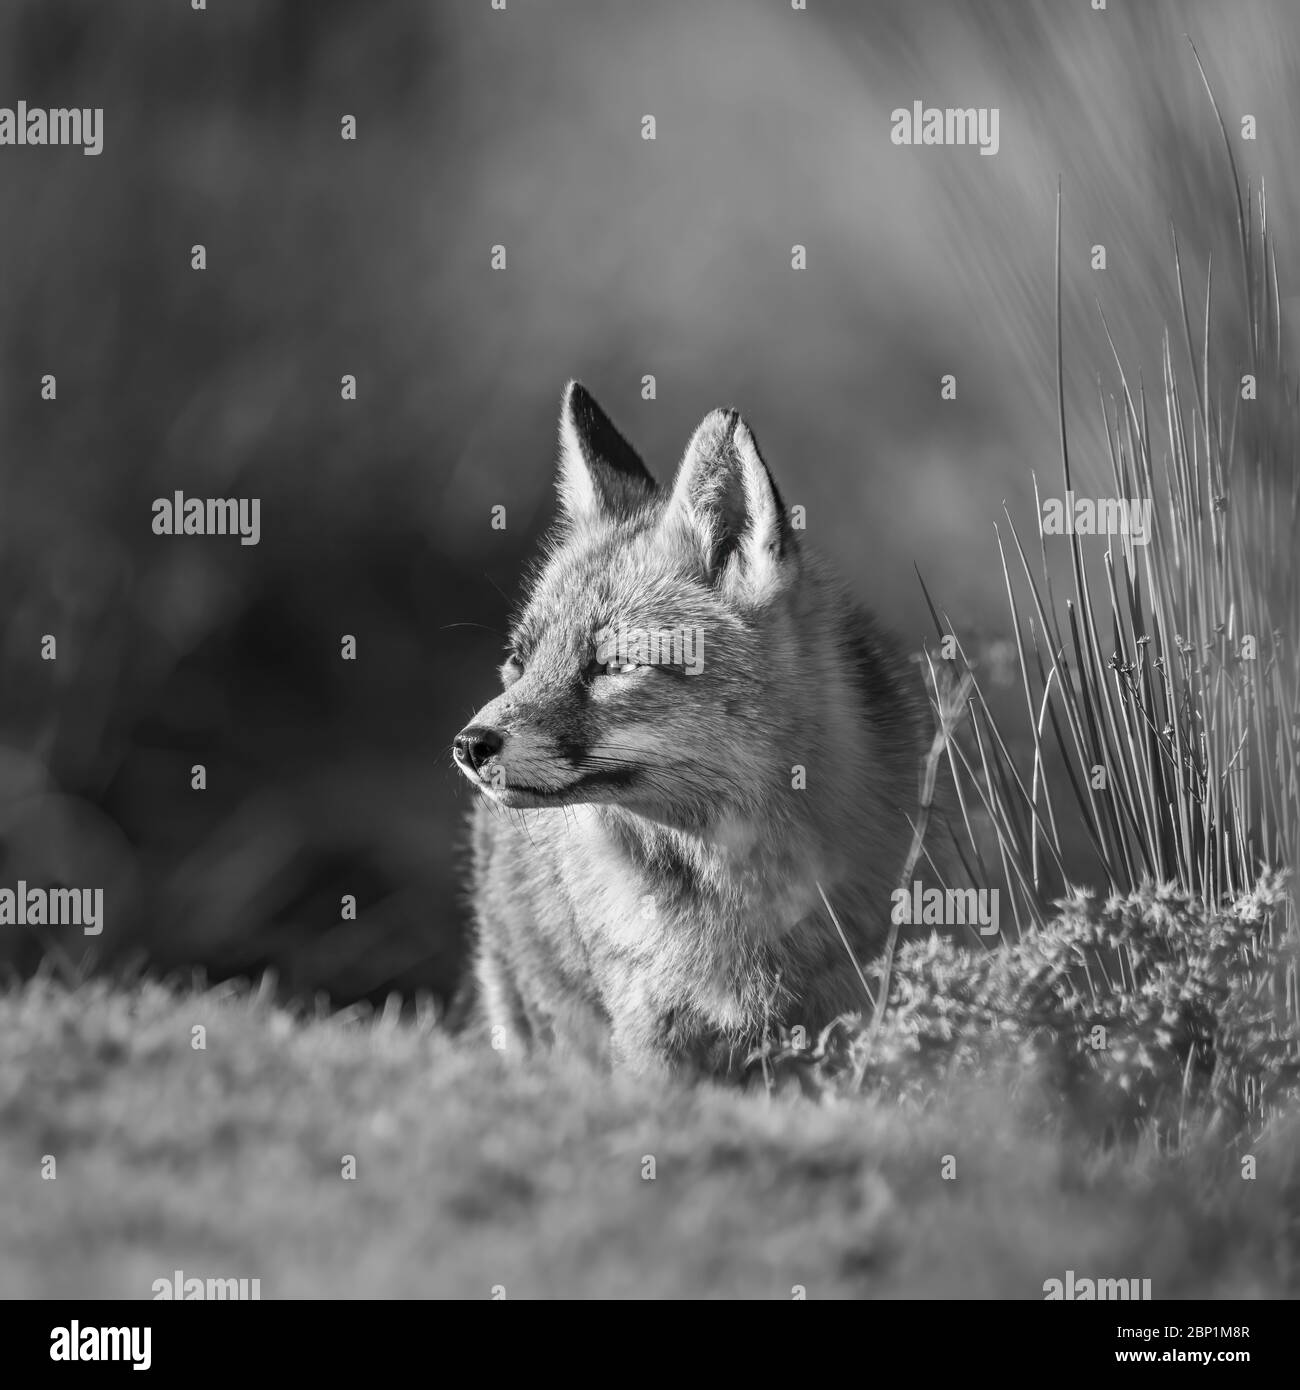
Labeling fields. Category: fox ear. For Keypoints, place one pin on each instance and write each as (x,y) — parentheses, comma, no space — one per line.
(600,473)
(727,498)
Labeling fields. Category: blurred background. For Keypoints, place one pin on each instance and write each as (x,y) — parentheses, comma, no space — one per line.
(625,258)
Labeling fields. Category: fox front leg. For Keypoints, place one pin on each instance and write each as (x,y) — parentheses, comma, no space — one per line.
(672,1041)
(510,1029)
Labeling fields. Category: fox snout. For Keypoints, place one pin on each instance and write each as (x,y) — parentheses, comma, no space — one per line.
(474,745)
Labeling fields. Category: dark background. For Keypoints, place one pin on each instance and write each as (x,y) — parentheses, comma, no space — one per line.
(625,257)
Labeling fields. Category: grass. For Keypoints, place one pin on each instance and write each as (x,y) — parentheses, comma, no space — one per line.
(472,1172)
(1180,681)
(1161,695)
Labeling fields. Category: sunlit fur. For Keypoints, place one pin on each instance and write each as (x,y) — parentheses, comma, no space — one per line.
(670,913)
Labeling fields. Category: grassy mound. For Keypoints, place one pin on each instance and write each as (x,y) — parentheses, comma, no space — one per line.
(474,1172)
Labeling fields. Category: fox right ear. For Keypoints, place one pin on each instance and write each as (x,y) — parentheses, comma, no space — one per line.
(600,473)
(726,499)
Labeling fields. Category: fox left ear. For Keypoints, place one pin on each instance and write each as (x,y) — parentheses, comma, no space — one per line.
(600,472)
(726,496)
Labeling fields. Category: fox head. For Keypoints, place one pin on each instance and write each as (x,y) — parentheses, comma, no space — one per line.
(658,663)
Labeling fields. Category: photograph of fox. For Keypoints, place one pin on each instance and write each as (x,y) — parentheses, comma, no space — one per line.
(498,499)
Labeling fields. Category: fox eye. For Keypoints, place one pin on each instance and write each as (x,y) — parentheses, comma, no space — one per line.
(610,668)
(512,668)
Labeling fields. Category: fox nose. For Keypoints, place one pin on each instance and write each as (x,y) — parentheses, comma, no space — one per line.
(475,745)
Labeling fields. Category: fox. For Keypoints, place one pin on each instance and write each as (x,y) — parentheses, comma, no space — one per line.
(702,745)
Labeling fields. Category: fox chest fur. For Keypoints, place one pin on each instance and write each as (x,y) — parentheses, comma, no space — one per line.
(649,945)
(700,742)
